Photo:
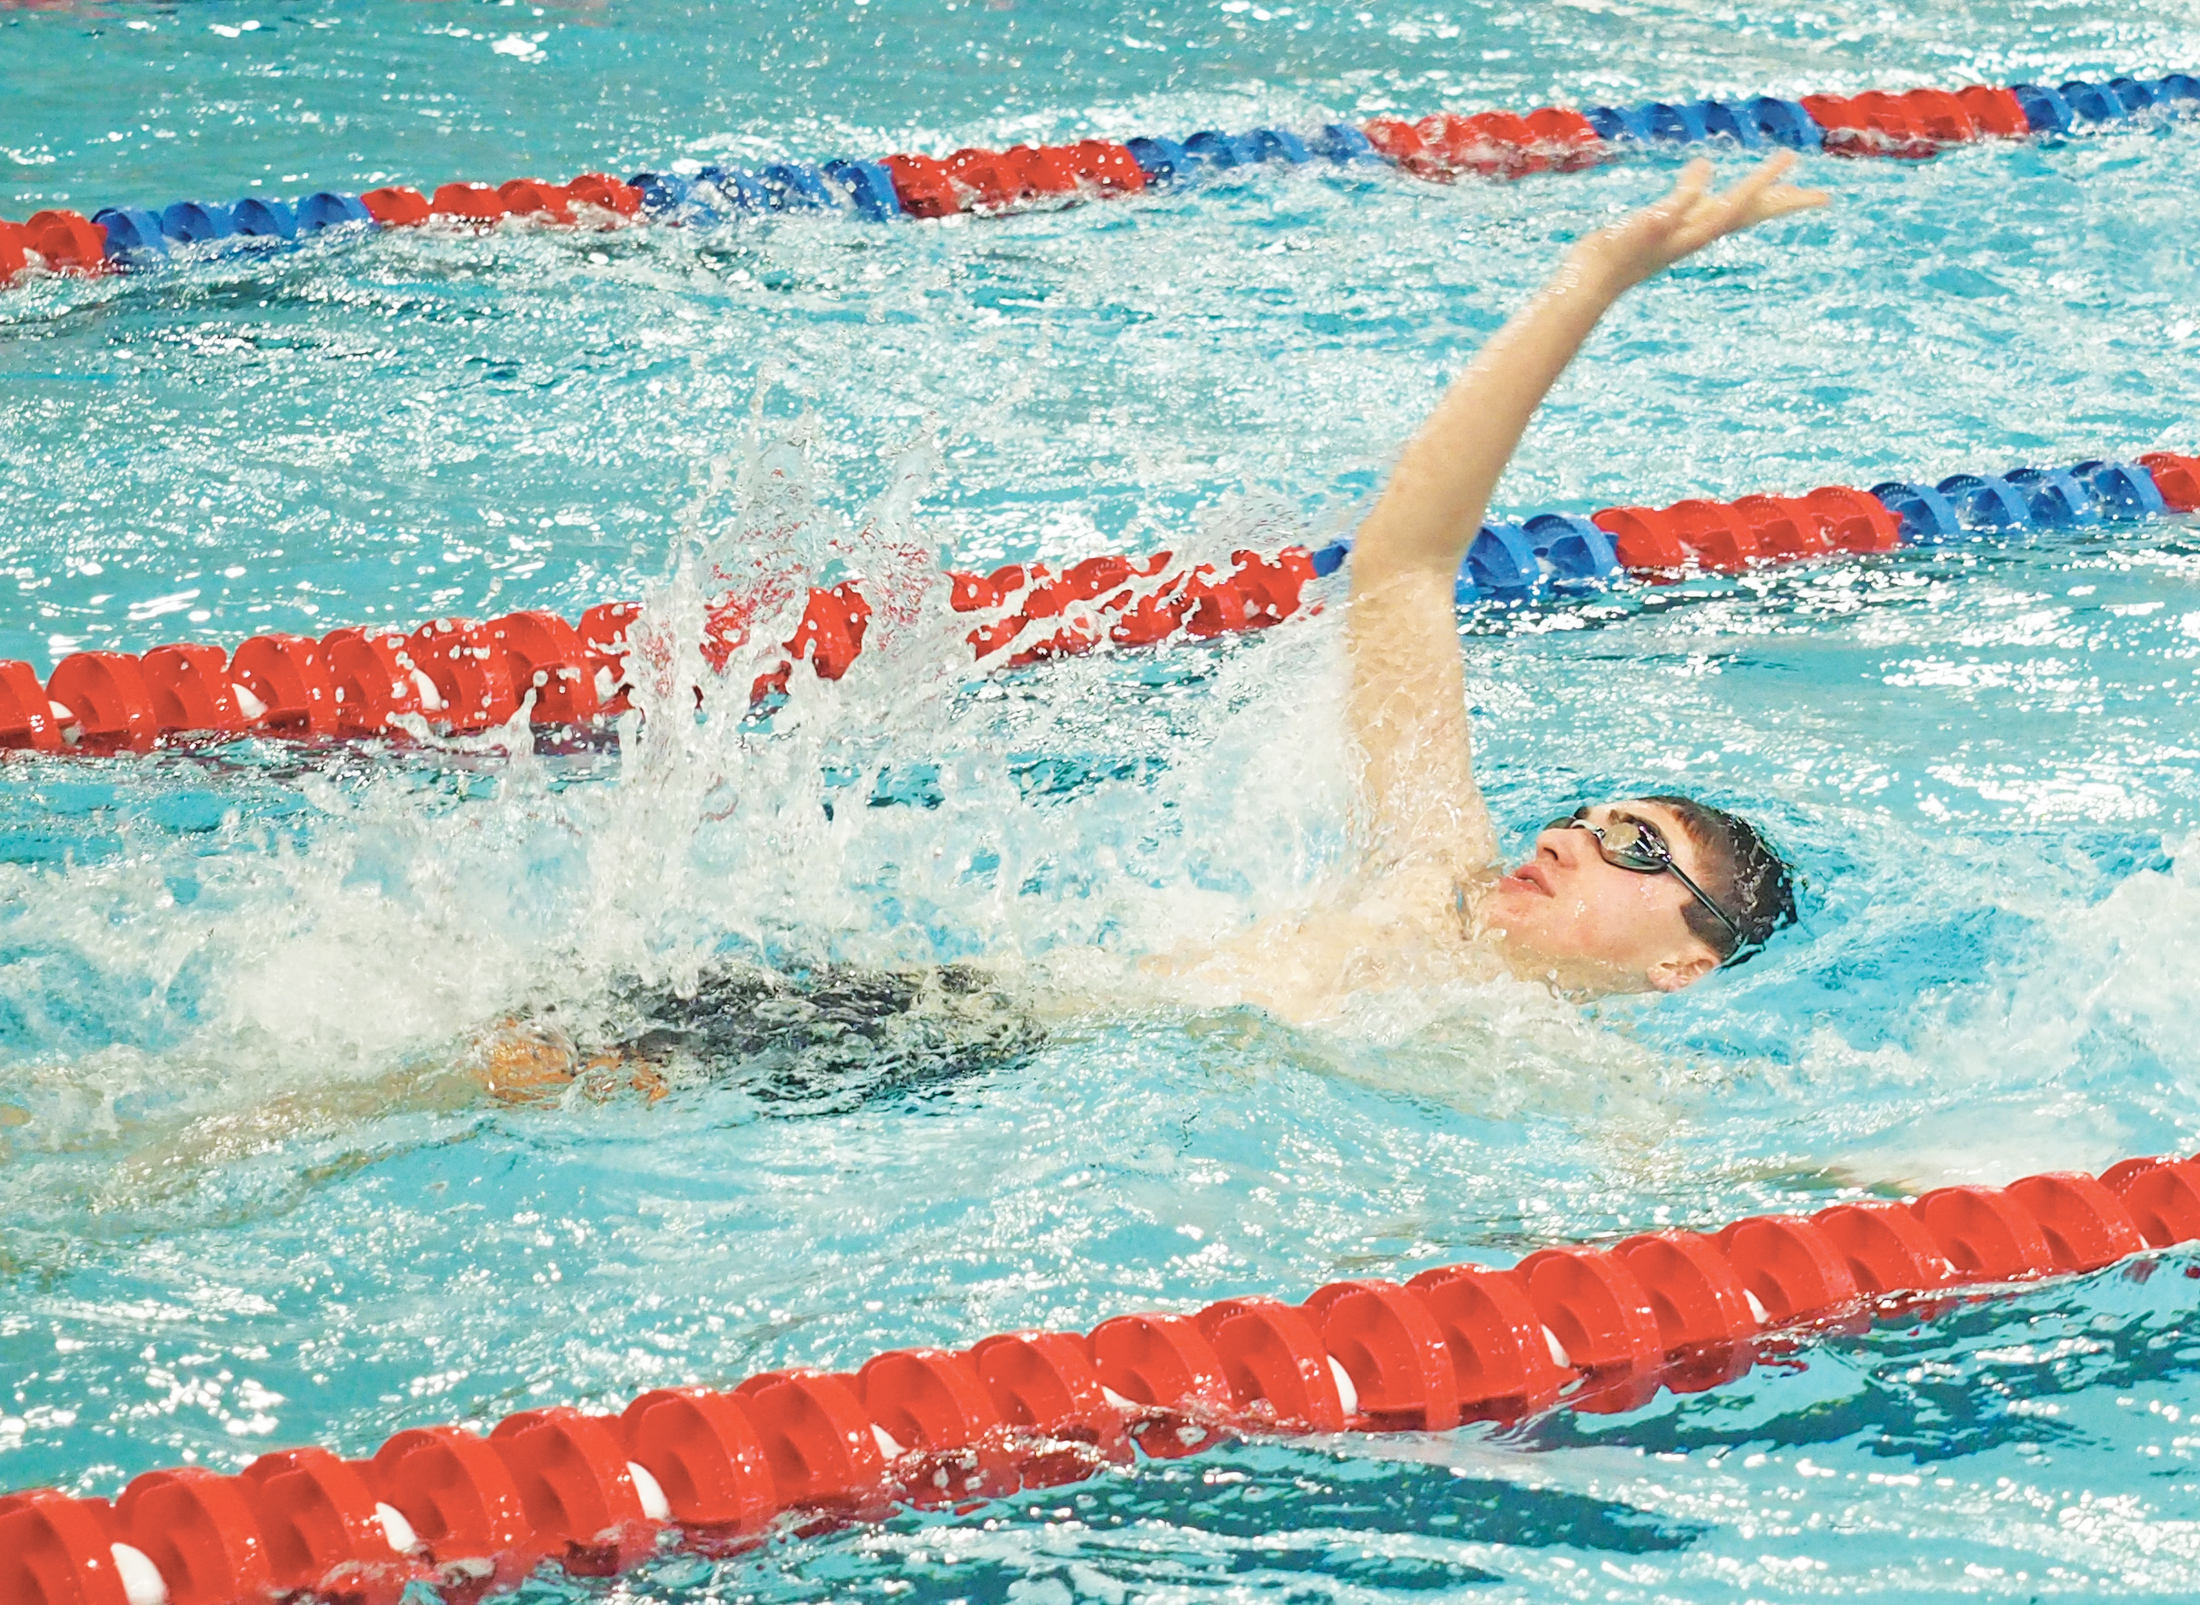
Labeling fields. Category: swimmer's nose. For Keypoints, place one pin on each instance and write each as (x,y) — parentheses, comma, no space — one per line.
(1562,846)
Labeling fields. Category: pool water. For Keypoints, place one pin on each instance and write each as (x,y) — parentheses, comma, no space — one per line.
(251,1199)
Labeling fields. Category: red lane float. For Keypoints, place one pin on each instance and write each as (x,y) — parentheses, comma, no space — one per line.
(1728,537)
(975,180)
(2176,477)
(1491,144)
(396,207)
(1391,1346)
(1595,1329)
(1885,1247)
(1918,122)
(68,241)
(951,1433)
(1167,1378)
(707,1457)
(103,703)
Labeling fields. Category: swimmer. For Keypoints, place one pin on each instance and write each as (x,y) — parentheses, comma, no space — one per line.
(1648,894)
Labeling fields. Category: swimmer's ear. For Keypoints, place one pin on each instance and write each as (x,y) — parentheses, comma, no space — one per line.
(1671,975)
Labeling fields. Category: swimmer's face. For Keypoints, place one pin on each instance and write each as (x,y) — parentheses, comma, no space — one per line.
(1592,926)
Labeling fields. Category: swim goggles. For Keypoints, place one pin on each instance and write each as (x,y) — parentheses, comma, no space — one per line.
(1635,844)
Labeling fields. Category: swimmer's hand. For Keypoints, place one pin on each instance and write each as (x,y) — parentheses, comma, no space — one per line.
(1690,218)
(522,1064)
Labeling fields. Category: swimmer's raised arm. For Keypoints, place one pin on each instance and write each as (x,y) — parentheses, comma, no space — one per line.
(1407,702)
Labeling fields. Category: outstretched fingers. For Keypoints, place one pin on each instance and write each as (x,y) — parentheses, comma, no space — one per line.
(1752,189)
(1689,189)
(1762,194)
(1649,231)
(1756,199)
(1692,215)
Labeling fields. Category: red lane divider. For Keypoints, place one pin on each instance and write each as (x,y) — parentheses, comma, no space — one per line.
(460,676)
(2176,477)
(1596,1329)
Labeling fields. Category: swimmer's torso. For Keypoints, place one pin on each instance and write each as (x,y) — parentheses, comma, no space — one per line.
(1400,933)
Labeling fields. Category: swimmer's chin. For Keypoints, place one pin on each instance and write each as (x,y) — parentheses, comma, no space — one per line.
(1568,976)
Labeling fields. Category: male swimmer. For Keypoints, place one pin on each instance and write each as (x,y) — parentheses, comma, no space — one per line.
(1648,894)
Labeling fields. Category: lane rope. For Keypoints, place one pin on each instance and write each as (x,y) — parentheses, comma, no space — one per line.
(457,676)
(1590,1329)
(1910,124)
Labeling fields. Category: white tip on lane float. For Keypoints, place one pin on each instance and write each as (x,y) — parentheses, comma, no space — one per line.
(651,1493)
(142,1583)
(1347,1395)
(397,1530)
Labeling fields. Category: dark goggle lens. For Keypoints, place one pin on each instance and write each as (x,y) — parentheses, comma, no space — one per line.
(1628,844)
(1622,842)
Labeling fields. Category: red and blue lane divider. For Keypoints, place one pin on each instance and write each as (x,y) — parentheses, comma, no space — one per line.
(1913,123)
(457,676)
(68,242)
(807,1451)
(1516,561)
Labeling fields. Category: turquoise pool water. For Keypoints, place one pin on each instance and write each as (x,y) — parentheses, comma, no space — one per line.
(246,1203)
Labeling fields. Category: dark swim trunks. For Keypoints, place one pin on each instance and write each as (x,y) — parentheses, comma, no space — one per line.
(827,1039)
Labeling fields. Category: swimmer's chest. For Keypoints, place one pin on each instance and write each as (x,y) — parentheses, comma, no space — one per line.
(1307,965)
